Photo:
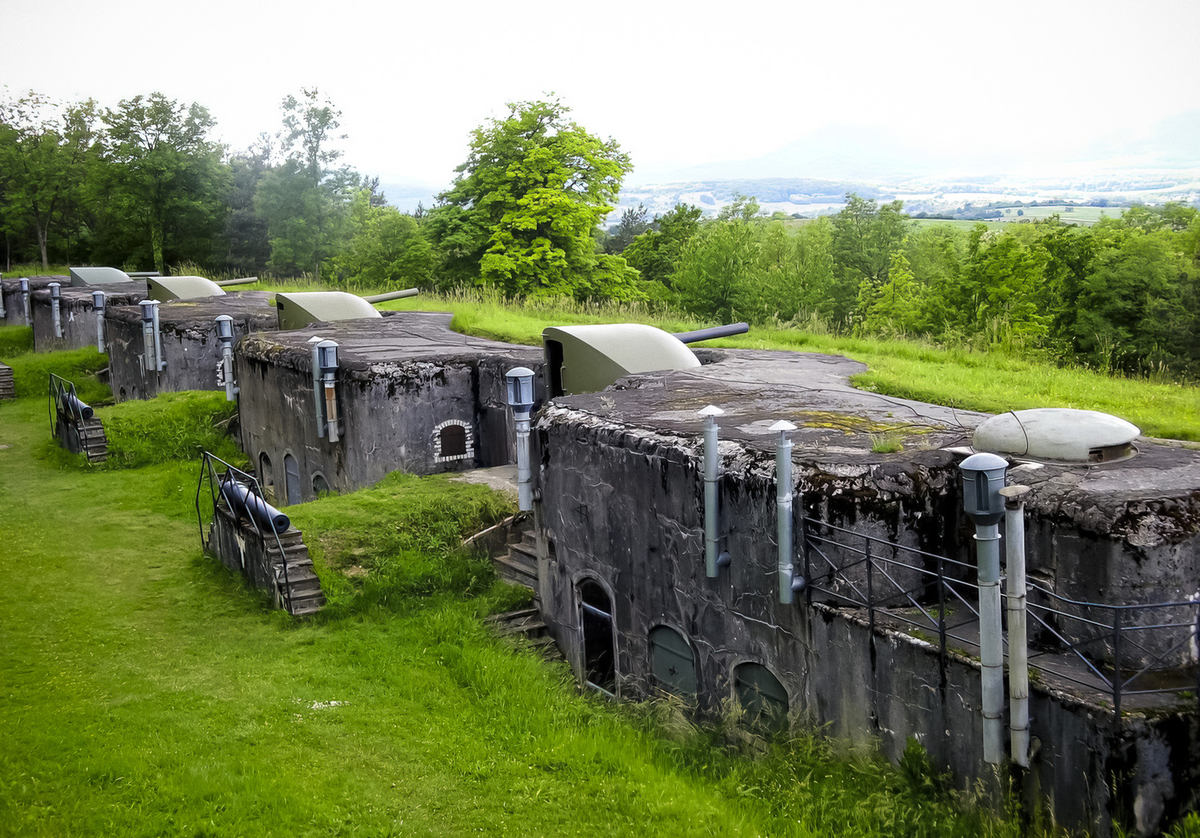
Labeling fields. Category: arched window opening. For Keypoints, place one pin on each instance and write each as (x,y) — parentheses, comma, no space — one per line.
(453,440)
(292,477)
(763,698)
(596,628)
(320,485)
(672,661)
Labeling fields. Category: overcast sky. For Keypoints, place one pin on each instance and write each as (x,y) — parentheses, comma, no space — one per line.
(677,84)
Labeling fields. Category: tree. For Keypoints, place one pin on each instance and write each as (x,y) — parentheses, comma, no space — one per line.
(45,150)
(865,235)
(655,253)
(247,244)
(634,221)
(388,249)
(166,176)
(522,210)
(305,199)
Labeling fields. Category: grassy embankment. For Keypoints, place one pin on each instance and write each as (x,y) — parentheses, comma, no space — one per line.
(148,692)
(993,382)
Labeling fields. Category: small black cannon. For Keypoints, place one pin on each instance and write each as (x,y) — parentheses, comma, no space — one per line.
(245,502)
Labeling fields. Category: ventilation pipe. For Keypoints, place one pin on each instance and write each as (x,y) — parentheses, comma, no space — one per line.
(714,558)
(327,363)
(520,399)
(983,477)
(783,512)
(25,300)
(98,307)
(1018,650)
(150,360)
(225,338)
(56,309)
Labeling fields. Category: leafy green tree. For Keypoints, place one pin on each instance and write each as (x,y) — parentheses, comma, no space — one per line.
(898,306)
(165,178)
(634,221)
(1132,314)
(655,253)
(865,235)
(718,269)
(305,200)
(247,244)
(45,152)
(388,248)
(1001,290)
(522,211)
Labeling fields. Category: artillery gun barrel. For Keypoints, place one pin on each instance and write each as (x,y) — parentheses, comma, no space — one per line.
(225,283)
(75,407)
(392,295)
(714,332)
(241,499)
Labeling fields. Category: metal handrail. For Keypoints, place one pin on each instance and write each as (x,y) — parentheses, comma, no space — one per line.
(208,473)
(64,399)
(879,589)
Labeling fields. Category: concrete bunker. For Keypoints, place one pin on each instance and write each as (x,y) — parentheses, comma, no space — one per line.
(14,296)
(620,504)
(187,354)
(66,317)
(403,393)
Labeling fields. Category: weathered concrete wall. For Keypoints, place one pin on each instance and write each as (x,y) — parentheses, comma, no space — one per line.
(241,551)
(77,315)
(392,407)
(623,505)
(14,301)
(189,342)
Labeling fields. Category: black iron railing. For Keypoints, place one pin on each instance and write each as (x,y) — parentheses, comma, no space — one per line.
(64,403)
(1118,651)
(212,476)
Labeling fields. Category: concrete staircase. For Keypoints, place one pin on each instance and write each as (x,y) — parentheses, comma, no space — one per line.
(518,564)
(93,442)
(7,388)
(299,591)
(525,624)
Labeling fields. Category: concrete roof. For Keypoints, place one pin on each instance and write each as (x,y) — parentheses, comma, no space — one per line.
(255,307)
(116,293)
(367,346)
(35,282)
(1151,498)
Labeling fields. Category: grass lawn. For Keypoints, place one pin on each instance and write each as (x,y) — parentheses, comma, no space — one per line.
(146,692)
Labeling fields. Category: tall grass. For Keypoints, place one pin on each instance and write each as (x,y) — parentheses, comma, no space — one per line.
(971,379)
(15,340)
(148,692)
(170,428)
(31,373)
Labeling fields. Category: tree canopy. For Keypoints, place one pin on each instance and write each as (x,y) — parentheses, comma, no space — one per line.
(521,212)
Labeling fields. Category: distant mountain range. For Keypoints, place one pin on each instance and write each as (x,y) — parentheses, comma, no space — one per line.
(812,175)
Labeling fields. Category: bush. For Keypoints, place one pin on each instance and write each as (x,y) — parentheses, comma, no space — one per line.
(15,340)
(170,428)
(31,373)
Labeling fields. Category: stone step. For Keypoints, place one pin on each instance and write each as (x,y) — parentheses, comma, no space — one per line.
(7,386)
(513,569)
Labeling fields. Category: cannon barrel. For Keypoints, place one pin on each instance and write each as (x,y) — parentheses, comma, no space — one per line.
(225,283)
(74,406)
(714,332)
(392,295)
(241,499)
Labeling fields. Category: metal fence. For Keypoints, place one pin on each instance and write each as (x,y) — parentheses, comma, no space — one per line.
(65,404)
(212,476)
(1116,651)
